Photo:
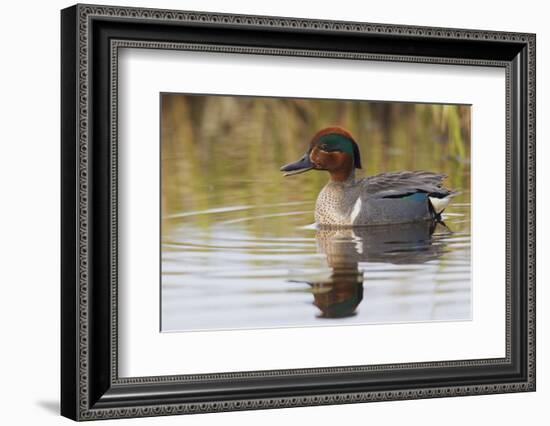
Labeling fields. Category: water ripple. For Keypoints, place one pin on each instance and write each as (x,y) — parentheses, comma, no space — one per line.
(266,265)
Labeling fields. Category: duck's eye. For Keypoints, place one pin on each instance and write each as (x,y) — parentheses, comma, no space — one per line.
(327,148)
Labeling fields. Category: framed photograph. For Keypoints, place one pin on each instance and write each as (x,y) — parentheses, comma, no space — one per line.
(263,212)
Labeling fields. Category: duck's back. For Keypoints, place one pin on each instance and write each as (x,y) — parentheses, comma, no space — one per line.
(399,184)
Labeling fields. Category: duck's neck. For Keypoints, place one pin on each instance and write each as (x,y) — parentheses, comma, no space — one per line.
(343,176)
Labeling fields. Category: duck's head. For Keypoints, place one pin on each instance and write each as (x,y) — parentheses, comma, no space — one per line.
(332,149)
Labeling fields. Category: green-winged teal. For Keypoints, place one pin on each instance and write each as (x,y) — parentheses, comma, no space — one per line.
(386,198)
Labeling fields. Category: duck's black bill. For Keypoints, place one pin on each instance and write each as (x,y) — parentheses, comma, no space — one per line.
(300,166)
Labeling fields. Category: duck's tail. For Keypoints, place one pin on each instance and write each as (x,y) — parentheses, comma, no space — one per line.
(439,201)
(439,204)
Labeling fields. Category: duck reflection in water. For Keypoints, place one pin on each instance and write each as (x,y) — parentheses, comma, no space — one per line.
(345,248)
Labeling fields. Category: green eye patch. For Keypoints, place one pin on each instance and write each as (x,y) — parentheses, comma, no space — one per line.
(335,142)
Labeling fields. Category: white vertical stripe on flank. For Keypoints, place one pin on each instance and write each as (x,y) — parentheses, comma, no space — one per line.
(356,210)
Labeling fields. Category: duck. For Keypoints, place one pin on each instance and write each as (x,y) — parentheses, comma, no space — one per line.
(383,199)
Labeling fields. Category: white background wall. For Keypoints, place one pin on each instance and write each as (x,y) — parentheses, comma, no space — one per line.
(29,211)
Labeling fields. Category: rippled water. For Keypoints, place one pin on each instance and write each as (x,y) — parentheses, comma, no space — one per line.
(229,275)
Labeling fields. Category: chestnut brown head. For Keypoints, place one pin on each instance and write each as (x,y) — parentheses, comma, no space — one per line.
(332,149)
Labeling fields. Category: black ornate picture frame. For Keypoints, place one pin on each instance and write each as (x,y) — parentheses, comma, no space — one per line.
(91,387)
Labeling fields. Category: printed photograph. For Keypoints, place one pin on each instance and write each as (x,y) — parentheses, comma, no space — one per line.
(292,212)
